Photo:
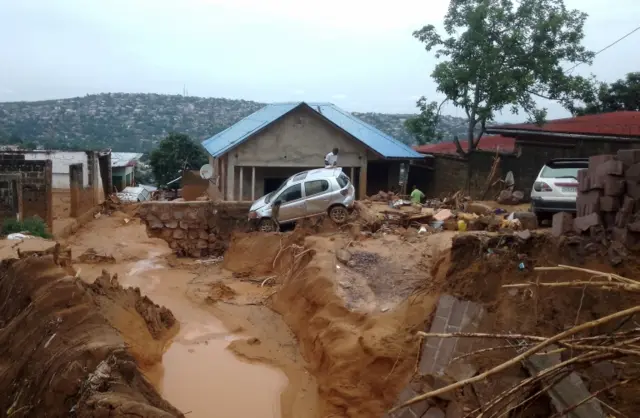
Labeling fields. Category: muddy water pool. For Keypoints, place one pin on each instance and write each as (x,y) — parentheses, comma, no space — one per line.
(198,375)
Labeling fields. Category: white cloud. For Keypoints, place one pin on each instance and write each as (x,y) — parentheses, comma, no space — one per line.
(339,96)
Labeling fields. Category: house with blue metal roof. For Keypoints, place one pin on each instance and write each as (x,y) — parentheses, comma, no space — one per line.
(254,156)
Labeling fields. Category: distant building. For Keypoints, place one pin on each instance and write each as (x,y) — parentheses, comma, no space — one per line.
(123,166)
(254,156)
(495,143)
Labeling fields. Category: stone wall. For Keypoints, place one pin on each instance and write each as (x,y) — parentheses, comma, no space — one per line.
(25,188)
(195,229)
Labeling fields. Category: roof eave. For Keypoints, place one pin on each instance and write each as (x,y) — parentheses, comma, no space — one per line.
(506,131)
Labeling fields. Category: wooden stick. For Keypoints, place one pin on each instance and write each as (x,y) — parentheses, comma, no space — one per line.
(519,358)
(482,335)
(606,285)
(595,272)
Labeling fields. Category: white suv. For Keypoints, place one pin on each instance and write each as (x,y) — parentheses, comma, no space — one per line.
(556,187)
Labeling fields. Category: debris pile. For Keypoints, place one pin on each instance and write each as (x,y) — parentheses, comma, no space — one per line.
(606,206)
(536,342)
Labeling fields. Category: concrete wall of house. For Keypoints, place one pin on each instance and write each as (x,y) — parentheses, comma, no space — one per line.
(119,177)
(34,198)
(61,160)
(300,140)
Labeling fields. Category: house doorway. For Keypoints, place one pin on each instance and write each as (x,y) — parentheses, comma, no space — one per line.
(272,184)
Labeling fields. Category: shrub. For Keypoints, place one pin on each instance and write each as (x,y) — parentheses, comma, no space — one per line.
(34,226)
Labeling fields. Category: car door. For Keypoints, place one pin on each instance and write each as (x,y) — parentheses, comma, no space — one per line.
(317,196)
(292,204)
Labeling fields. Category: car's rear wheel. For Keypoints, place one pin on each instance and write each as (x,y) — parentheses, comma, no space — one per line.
(338,214)
(267,225)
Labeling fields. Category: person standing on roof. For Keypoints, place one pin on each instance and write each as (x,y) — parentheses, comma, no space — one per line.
(331,160)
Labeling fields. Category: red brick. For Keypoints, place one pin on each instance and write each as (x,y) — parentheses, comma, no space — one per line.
(583,223)
(597,160)
(629,156)
(613,186)
(609,203)
(561,224)
(584,181)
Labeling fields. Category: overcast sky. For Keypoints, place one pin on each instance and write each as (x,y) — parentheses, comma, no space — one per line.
(358,54)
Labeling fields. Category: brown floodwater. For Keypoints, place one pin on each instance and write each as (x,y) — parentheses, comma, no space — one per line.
(198,375)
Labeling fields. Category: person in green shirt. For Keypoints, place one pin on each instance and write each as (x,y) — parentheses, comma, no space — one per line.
(416,195)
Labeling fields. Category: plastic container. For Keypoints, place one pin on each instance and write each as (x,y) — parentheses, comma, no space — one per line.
(462,225)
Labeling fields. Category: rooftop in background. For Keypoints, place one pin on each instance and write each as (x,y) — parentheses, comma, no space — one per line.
(487,143)
(615,124)
(124,159)
(376,140)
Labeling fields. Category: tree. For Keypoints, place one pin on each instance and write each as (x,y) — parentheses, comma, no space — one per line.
(424,127)
(506,53)
(175,153)
(624,94)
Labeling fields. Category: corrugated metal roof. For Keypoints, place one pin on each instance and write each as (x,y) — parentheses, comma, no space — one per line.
(487,143)
(373,138)
(624,123)
(123,159)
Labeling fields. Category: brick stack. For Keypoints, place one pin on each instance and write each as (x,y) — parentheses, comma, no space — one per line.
(608,203)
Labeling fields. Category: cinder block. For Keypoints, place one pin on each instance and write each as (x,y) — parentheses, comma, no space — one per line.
(583,223)
(610,167)
(584,181)
(527,219)
(609,203)
(633,189)
(613,186)
(628,204)
(597,160)
(609,219)
(633,173)
(629,156)
(624,236)
(561,224)
(588,202)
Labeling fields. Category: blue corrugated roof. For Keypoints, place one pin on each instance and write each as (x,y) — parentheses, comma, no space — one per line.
(373,138)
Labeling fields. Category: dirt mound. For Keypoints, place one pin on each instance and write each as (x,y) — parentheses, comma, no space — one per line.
(61,355)
(258,254)
(479,266)
(220,291)
(360,361)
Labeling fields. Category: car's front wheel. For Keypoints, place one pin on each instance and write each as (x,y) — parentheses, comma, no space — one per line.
(338,214)
(267,225)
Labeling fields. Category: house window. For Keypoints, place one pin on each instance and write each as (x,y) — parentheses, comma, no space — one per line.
(315,187)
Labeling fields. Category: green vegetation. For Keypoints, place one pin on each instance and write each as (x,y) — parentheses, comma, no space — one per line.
(138,122)
(621,95)
(499,54)
(175,153)
(33,226)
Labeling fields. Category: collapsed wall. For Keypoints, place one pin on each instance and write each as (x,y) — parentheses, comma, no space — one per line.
(61,353)
(195,229)
(473,277)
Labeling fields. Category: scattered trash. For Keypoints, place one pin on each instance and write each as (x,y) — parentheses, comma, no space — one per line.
(18,235)
(521,266)
(97,215)
(443,215)
(422,230)
(462,225)
(213,260)
(437,224)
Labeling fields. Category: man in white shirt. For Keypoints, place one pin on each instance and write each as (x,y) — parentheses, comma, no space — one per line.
(331,160)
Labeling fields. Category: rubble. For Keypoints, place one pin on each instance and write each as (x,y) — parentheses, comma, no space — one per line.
(606,205)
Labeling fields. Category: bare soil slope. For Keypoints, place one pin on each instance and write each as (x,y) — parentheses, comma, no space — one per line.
(60,352)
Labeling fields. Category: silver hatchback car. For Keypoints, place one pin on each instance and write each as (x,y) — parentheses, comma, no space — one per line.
(310,193)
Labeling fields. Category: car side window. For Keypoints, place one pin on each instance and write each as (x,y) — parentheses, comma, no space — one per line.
(315,187)
(292,193)
(343,180)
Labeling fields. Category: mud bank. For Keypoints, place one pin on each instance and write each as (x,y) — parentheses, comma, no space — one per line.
(361,359)
(477,269)
(63,344)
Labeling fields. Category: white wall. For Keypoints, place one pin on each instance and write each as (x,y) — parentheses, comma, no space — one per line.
(61,160)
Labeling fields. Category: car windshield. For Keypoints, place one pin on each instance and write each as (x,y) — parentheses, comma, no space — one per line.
(560,172)
(268,197)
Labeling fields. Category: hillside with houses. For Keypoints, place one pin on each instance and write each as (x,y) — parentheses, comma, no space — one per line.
(137,122)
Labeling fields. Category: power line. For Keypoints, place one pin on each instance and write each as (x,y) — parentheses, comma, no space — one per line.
(608,46)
